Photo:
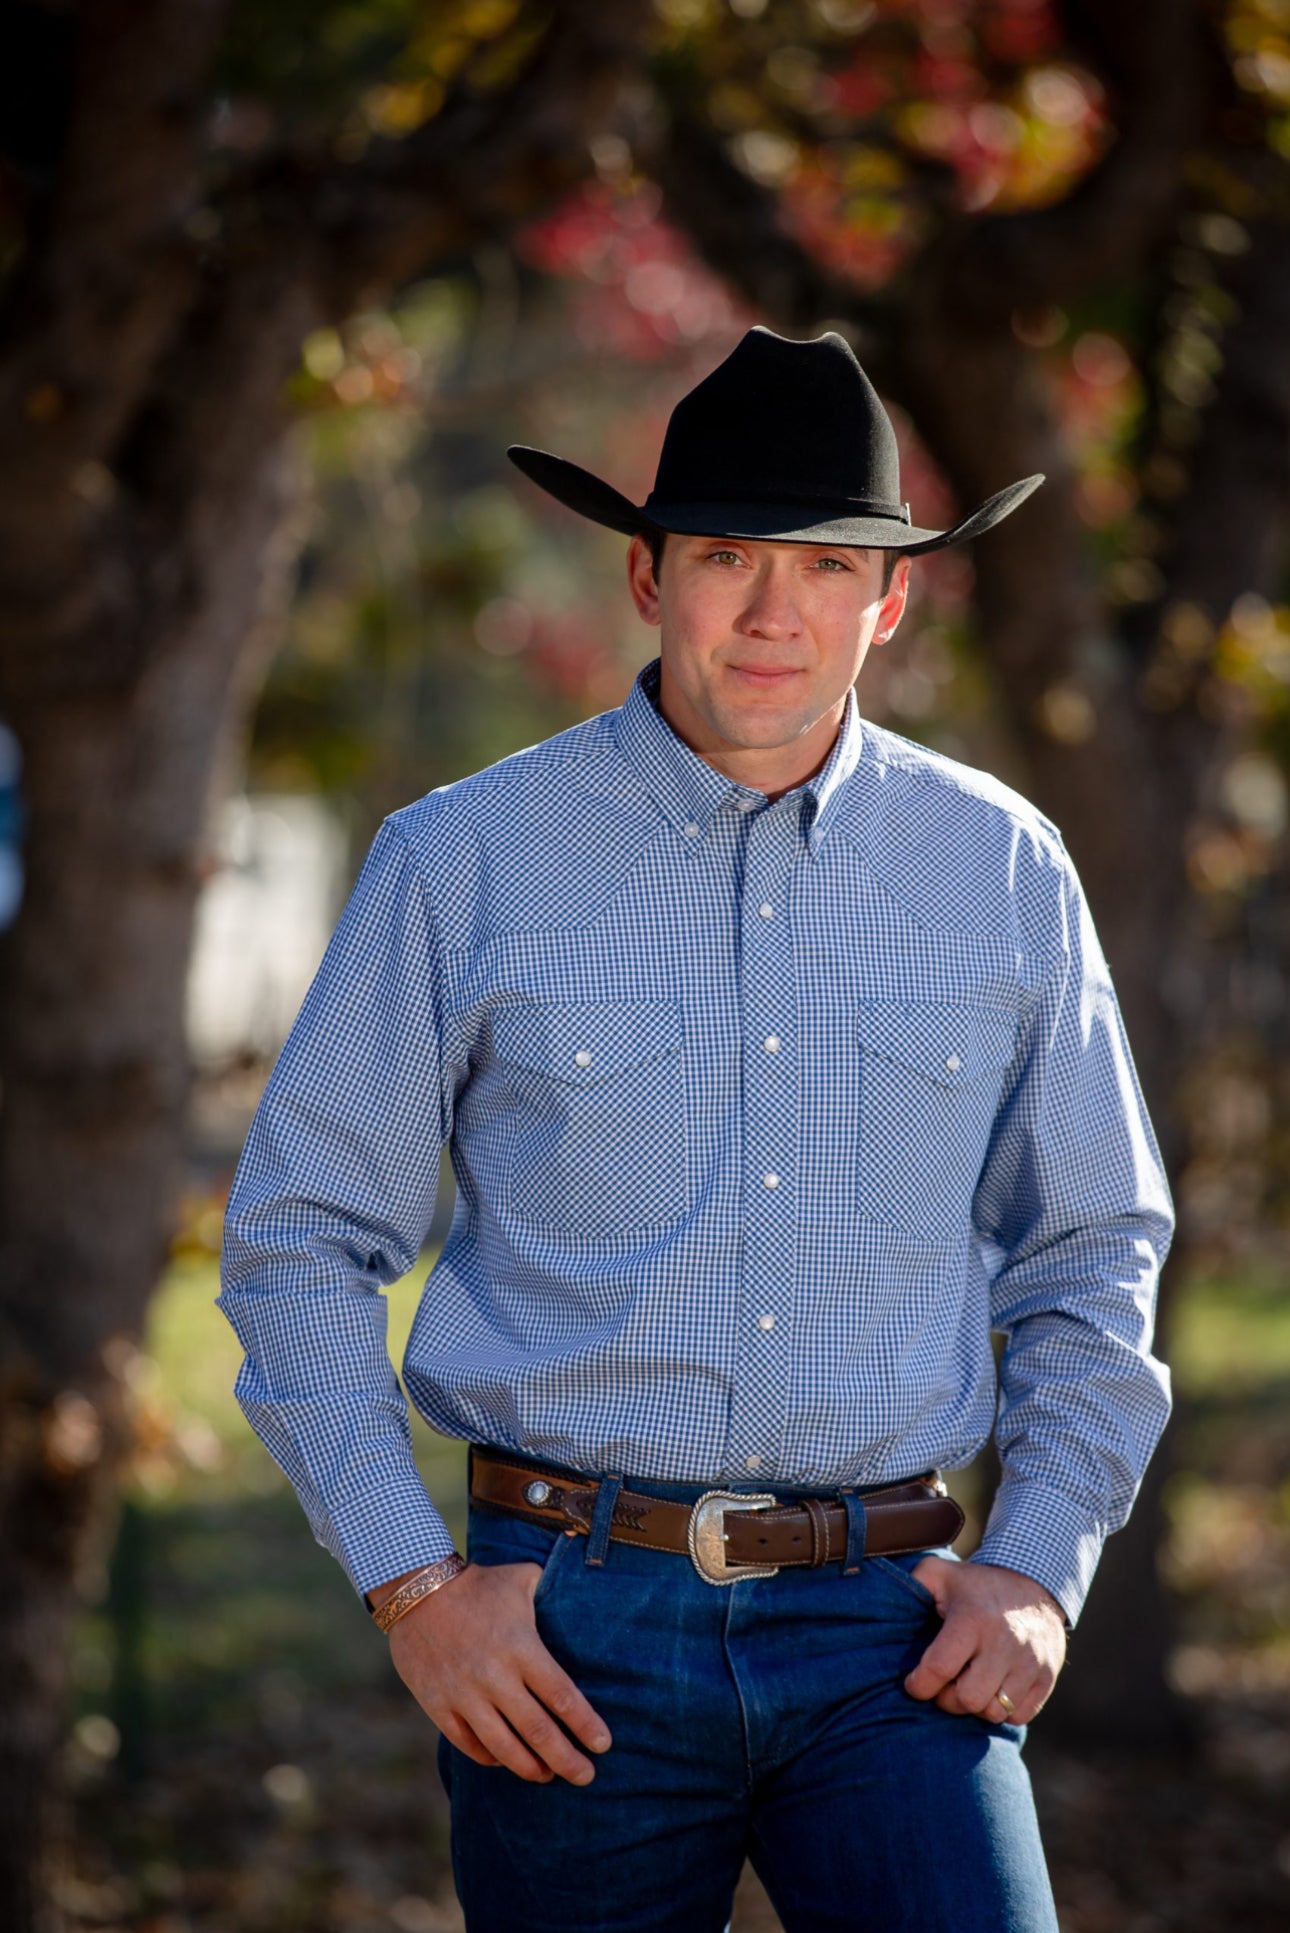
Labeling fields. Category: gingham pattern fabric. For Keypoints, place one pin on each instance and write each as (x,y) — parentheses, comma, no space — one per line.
(762,1117)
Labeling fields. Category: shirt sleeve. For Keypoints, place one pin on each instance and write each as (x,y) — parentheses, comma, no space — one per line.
(1074,1193)
(331,1200)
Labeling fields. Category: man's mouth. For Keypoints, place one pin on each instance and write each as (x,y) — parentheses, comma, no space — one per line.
(765,675)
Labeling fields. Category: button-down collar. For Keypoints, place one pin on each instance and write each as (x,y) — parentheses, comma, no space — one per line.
(690,792)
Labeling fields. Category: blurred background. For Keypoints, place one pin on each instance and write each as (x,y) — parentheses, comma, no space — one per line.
(278,284)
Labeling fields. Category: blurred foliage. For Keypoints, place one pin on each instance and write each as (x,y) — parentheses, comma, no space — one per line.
(434,628)
(863,116)
(1258,34)
(350,69)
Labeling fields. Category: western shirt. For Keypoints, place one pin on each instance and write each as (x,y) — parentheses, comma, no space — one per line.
(763,1117)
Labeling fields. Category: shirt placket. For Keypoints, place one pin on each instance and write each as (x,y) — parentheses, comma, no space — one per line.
(769,1077)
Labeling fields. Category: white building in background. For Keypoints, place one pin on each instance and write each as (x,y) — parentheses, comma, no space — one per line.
(263,920)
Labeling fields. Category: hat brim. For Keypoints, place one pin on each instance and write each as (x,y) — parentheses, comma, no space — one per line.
(591,497)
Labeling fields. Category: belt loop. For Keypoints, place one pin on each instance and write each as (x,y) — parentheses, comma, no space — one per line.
(602,1518)
(856,1530)
(819,1531)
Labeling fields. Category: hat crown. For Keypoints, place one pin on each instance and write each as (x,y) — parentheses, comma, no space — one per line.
(780,419)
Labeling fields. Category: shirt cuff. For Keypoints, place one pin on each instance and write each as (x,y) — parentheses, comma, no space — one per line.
(378,1538)
(1042,1534)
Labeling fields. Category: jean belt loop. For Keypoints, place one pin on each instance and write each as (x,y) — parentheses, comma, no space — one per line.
(856,1530)
(602,1518)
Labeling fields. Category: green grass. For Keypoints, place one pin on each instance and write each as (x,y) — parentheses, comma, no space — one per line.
(1230,1334)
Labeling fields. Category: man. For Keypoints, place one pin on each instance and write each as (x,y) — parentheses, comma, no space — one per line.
(779,1065)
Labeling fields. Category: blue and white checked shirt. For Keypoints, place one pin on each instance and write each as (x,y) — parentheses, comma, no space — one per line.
(762,1117)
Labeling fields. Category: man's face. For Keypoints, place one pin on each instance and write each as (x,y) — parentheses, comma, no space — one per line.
(760,642)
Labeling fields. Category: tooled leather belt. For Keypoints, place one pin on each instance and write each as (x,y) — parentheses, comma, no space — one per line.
(725,1534)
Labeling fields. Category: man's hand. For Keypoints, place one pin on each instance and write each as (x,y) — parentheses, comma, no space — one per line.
(1002,1632)
(471,1657)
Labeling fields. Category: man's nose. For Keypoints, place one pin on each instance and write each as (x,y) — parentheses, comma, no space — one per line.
(771,610)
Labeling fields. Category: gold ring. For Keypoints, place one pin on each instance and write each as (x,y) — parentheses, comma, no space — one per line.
(1006,1702)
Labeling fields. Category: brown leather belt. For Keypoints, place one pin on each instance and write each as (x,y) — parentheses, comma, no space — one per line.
(725,1534)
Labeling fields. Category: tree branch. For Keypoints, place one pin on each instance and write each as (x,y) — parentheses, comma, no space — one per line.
(737,226)
(122,297)
(1166,77)
(111,274)
(487,162)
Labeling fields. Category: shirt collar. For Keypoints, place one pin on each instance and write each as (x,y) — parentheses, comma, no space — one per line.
(690,792)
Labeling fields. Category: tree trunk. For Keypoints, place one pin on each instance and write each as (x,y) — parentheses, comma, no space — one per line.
(96,1077)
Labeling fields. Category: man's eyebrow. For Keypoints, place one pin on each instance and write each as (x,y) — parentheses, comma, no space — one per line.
(782,543)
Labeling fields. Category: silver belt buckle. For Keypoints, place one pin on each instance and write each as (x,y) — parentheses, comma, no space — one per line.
(707,1540)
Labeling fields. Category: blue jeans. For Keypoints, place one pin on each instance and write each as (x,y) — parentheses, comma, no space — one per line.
(764,1719)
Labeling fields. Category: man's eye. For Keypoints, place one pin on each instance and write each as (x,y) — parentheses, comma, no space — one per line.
(836,561)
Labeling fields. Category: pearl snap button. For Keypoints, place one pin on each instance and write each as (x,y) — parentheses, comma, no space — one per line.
(765,1322)
(954,1063)
(766,910)
(770,1181)
(582,1057)
(752,1463)
(771,1043)
(691,831)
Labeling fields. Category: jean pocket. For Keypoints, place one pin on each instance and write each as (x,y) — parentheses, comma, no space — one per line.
(930,1080)
(493,1538)
(598,1126)
(904,1580)
(552,1564)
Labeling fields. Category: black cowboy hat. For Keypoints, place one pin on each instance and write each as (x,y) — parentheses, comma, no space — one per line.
(784,440)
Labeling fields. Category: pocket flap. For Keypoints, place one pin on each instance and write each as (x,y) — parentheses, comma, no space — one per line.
(584,1044)
(949,1044)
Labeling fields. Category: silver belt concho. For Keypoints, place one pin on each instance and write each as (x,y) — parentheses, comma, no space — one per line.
(707,1540)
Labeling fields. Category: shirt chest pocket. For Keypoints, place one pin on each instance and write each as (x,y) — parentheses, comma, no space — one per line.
(597,1129)
(930,1081)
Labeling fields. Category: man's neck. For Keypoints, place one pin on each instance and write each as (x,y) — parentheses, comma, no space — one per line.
(774,769)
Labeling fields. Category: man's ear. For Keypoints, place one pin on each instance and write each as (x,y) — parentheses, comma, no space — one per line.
(893,603)
(641,580)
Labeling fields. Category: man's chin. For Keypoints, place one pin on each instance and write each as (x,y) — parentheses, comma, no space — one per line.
(766,727)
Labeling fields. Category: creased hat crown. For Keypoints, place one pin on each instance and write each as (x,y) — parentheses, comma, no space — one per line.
(780,421)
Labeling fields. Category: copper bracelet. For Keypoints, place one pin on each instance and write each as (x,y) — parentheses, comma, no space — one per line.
(422,1583)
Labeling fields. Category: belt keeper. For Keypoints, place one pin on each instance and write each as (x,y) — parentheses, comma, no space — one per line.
(819,1531)
(857,1531)
(602,1518)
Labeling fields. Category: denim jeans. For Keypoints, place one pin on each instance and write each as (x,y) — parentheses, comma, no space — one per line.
(764,1719)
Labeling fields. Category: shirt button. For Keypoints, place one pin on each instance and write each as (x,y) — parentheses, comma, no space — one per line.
(690,830)
(766,910)
(771,1043)
(748,805)
(954,1063)
(582,1057)
(770,1181)
(752,1463)
(765,1322)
